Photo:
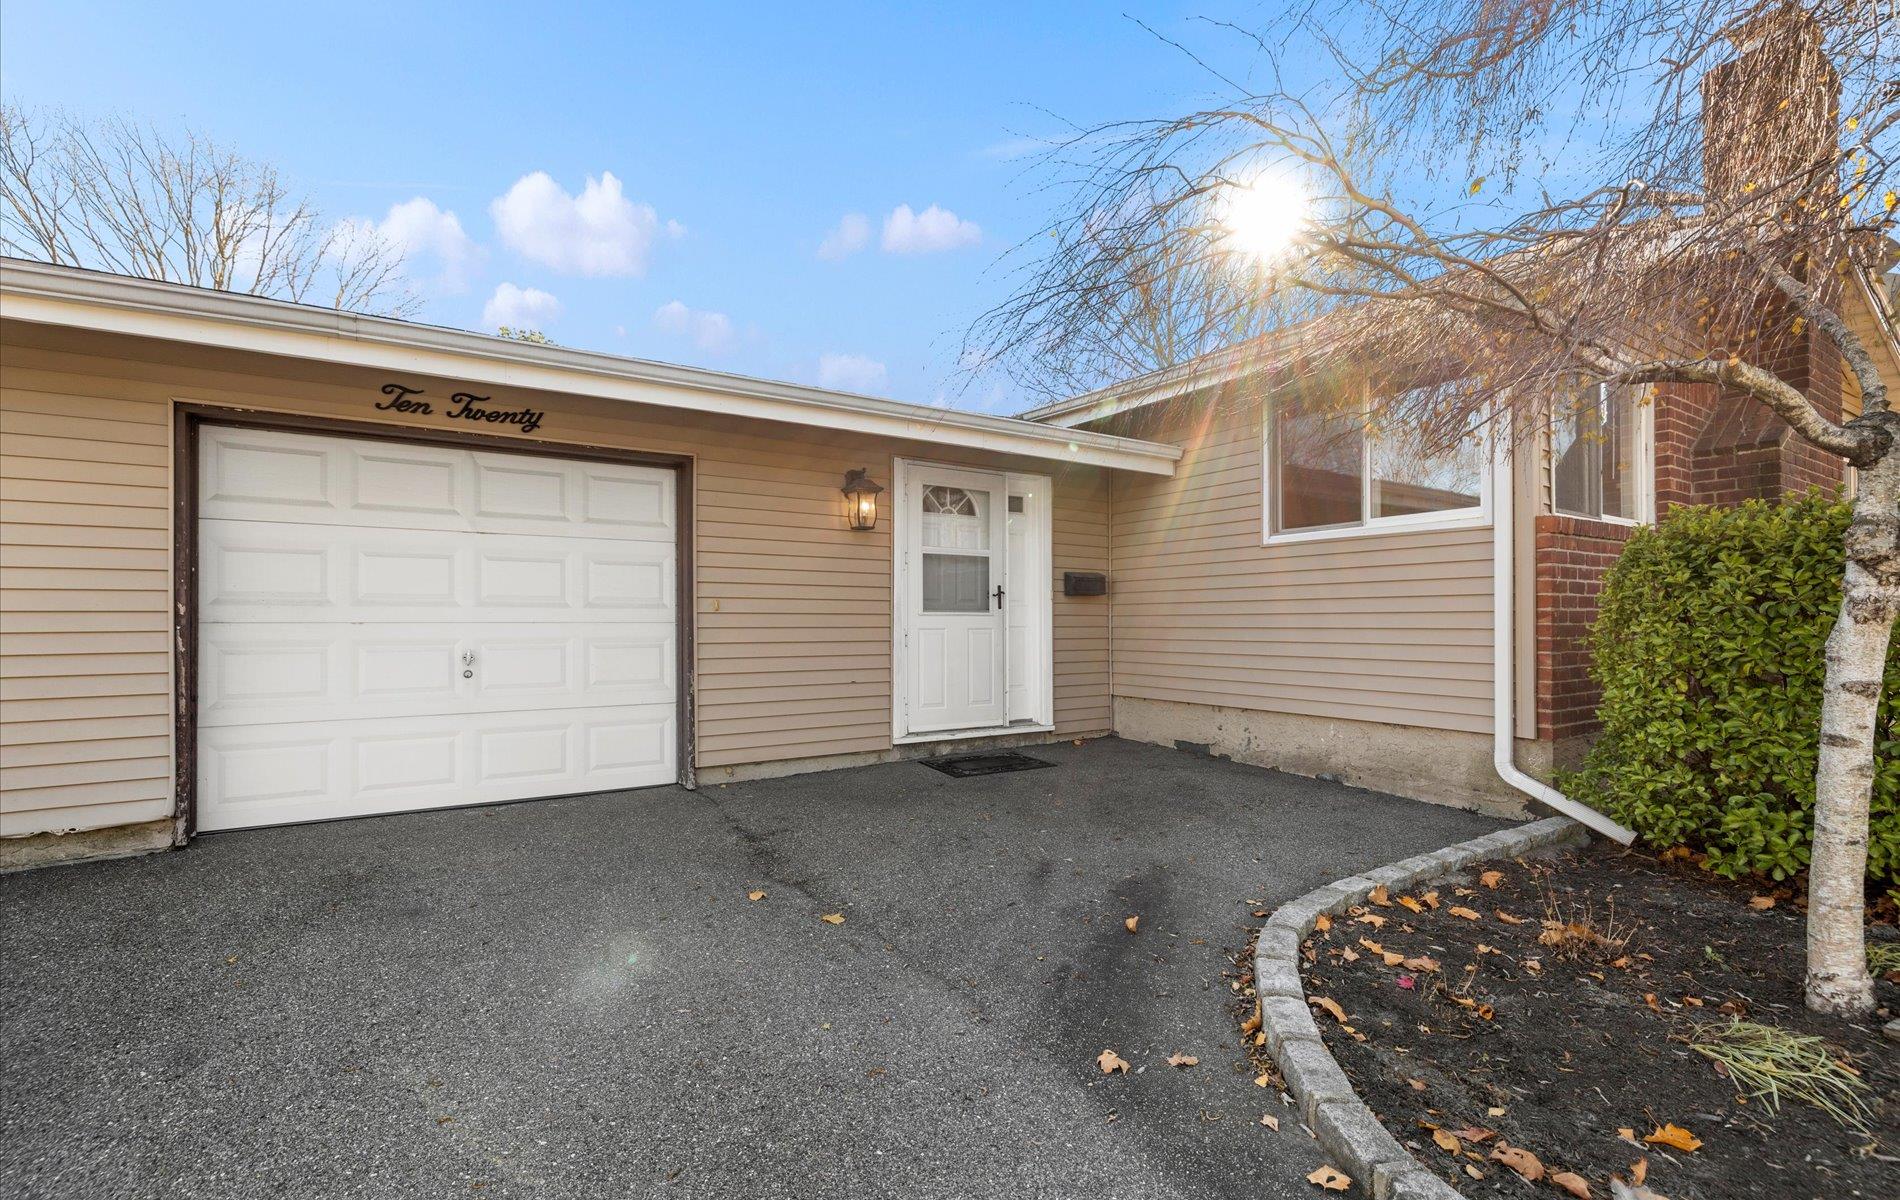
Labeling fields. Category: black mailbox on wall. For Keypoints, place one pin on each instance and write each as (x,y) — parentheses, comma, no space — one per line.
(1084,583)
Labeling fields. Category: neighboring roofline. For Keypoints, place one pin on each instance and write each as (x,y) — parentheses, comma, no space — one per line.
(1169,383)
(39,293)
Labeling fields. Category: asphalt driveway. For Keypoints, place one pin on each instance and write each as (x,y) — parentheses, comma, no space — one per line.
(575,998)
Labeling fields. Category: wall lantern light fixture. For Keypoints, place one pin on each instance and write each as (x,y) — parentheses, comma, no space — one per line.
(862,494)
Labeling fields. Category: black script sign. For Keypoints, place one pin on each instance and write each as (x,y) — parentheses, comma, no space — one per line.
(462,406)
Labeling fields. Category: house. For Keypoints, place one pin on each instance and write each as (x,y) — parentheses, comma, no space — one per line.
(268,563)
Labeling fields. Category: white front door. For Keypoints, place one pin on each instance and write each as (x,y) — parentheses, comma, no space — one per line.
(952,528)
(384,627)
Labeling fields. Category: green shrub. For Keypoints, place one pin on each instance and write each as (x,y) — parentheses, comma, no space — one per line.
(1708,647)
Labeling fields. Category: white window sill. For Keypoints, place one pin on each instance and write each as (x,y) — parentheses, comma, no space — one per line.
(1476,520)
(955,735)
(1625,522)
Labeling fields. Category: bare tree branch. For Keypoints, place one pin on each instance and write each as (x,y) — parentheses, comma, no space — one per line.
(119,196)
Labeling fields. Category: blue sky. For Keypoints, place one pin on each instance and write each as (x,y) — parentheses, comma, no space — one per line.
(738,137)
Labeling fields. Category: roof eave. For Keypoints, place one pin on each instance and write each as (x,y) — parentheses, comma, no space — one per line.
(64,296)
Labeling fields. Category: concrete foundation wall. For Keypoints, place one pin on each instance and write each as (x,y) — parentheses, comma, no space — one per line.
(1441,766)
(85,845)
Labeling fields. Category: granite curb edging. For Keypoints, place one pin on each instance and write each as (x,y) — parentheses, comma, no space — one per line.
(1347,1129)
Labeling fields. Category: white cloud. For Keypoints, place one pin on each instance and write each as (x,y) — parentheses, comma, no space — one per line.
(599,232)
(710,331)
(928,232)
(519,308)
(851,234)
(422,231)
(850,373)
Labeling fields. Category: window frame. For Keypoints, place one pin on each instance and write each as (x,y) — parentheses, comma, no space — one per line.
(1645,481)
(1470,517)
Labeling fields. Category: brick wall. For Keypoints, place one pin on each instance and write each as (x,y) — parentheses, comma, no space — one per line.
(1572,556)
(1711,448)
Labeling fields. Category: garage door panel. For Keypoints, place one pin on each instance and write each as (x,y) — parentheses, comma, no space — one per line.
(266,475)
(278,774)
(252,674)
(385,627)
(265,571)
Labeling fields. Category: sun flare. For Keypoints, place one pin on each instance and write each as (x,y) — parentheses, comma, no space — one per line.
(1264,216)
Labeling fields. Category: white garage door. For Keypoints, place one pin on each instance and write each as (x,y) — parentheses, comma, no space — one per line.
(384,627)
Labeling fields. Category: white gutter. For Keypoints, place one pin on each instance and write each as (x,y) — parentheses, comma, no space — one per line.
(91,300)
(1504,649)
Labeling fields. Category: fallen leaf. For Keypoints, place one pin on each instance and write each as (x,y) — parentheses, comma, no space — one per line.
(1627,1134)
(1491,879)
(1418,1085)
(1430,899)
(1346,954)
(1640,1171)
(1371,945)
(1183,1060)
(1380,896)
(1649,998)
(1413,905)
(1522,1161)
(1573,1183)
(1462,911)
(1447,1141)
(1761,903)
(1408,982)
(1270,1121)
(1251,1023)
(755,895)
(1323,923)
(1330,1178)
(1424,962)
(1263,1080)
(1372,919)
(1330,1005)
(1508,919)
(1131,923)
(1675,1135)
(1111,1062)
(1392,958)
(1494,1112)
(1622,1191)
(1475,1134)
(833,918)
(1474,1172)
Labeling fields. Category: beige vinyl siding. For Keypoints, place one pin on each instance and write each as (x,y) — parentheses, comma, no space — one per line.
(85,664)
(793,610)
(1387,627)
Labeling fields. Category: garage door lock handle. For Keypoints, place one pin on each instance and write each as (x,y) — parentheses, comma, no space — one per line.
(468,664)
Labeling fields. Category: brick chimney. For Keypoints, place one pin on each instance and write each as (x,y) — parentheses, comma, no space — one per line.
(1770,114)
(1770,121)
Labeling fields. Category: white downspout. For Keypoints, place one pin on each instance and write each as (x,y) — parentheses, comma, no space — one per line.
(1504,649)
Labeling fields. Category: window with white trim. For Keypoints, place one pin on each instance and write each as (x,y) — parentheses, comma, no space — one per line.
(1599,455)
(1333,472)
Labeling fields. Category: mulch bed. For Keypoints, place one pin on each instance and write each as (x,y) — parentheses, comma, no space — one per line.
(1472,1045)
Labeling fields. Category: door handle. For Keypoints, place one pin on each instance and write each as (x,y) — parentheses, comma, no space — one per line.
(999,595)
(468,664)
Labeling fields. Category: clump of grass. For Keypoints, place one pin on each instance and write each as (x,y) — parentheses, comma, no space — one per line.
(1767,1064)
(1572,931)
(1883,957)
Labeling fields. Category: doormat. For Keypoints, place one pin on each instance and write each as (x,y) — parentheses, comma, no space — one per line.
(964,766)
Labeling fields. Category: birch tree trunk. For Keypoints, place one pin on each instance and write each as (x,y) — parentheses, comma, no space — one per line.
(1838,980)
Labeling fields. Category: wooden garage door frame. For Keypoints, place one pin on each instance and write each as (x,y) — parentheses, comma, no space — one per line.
(188,418)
